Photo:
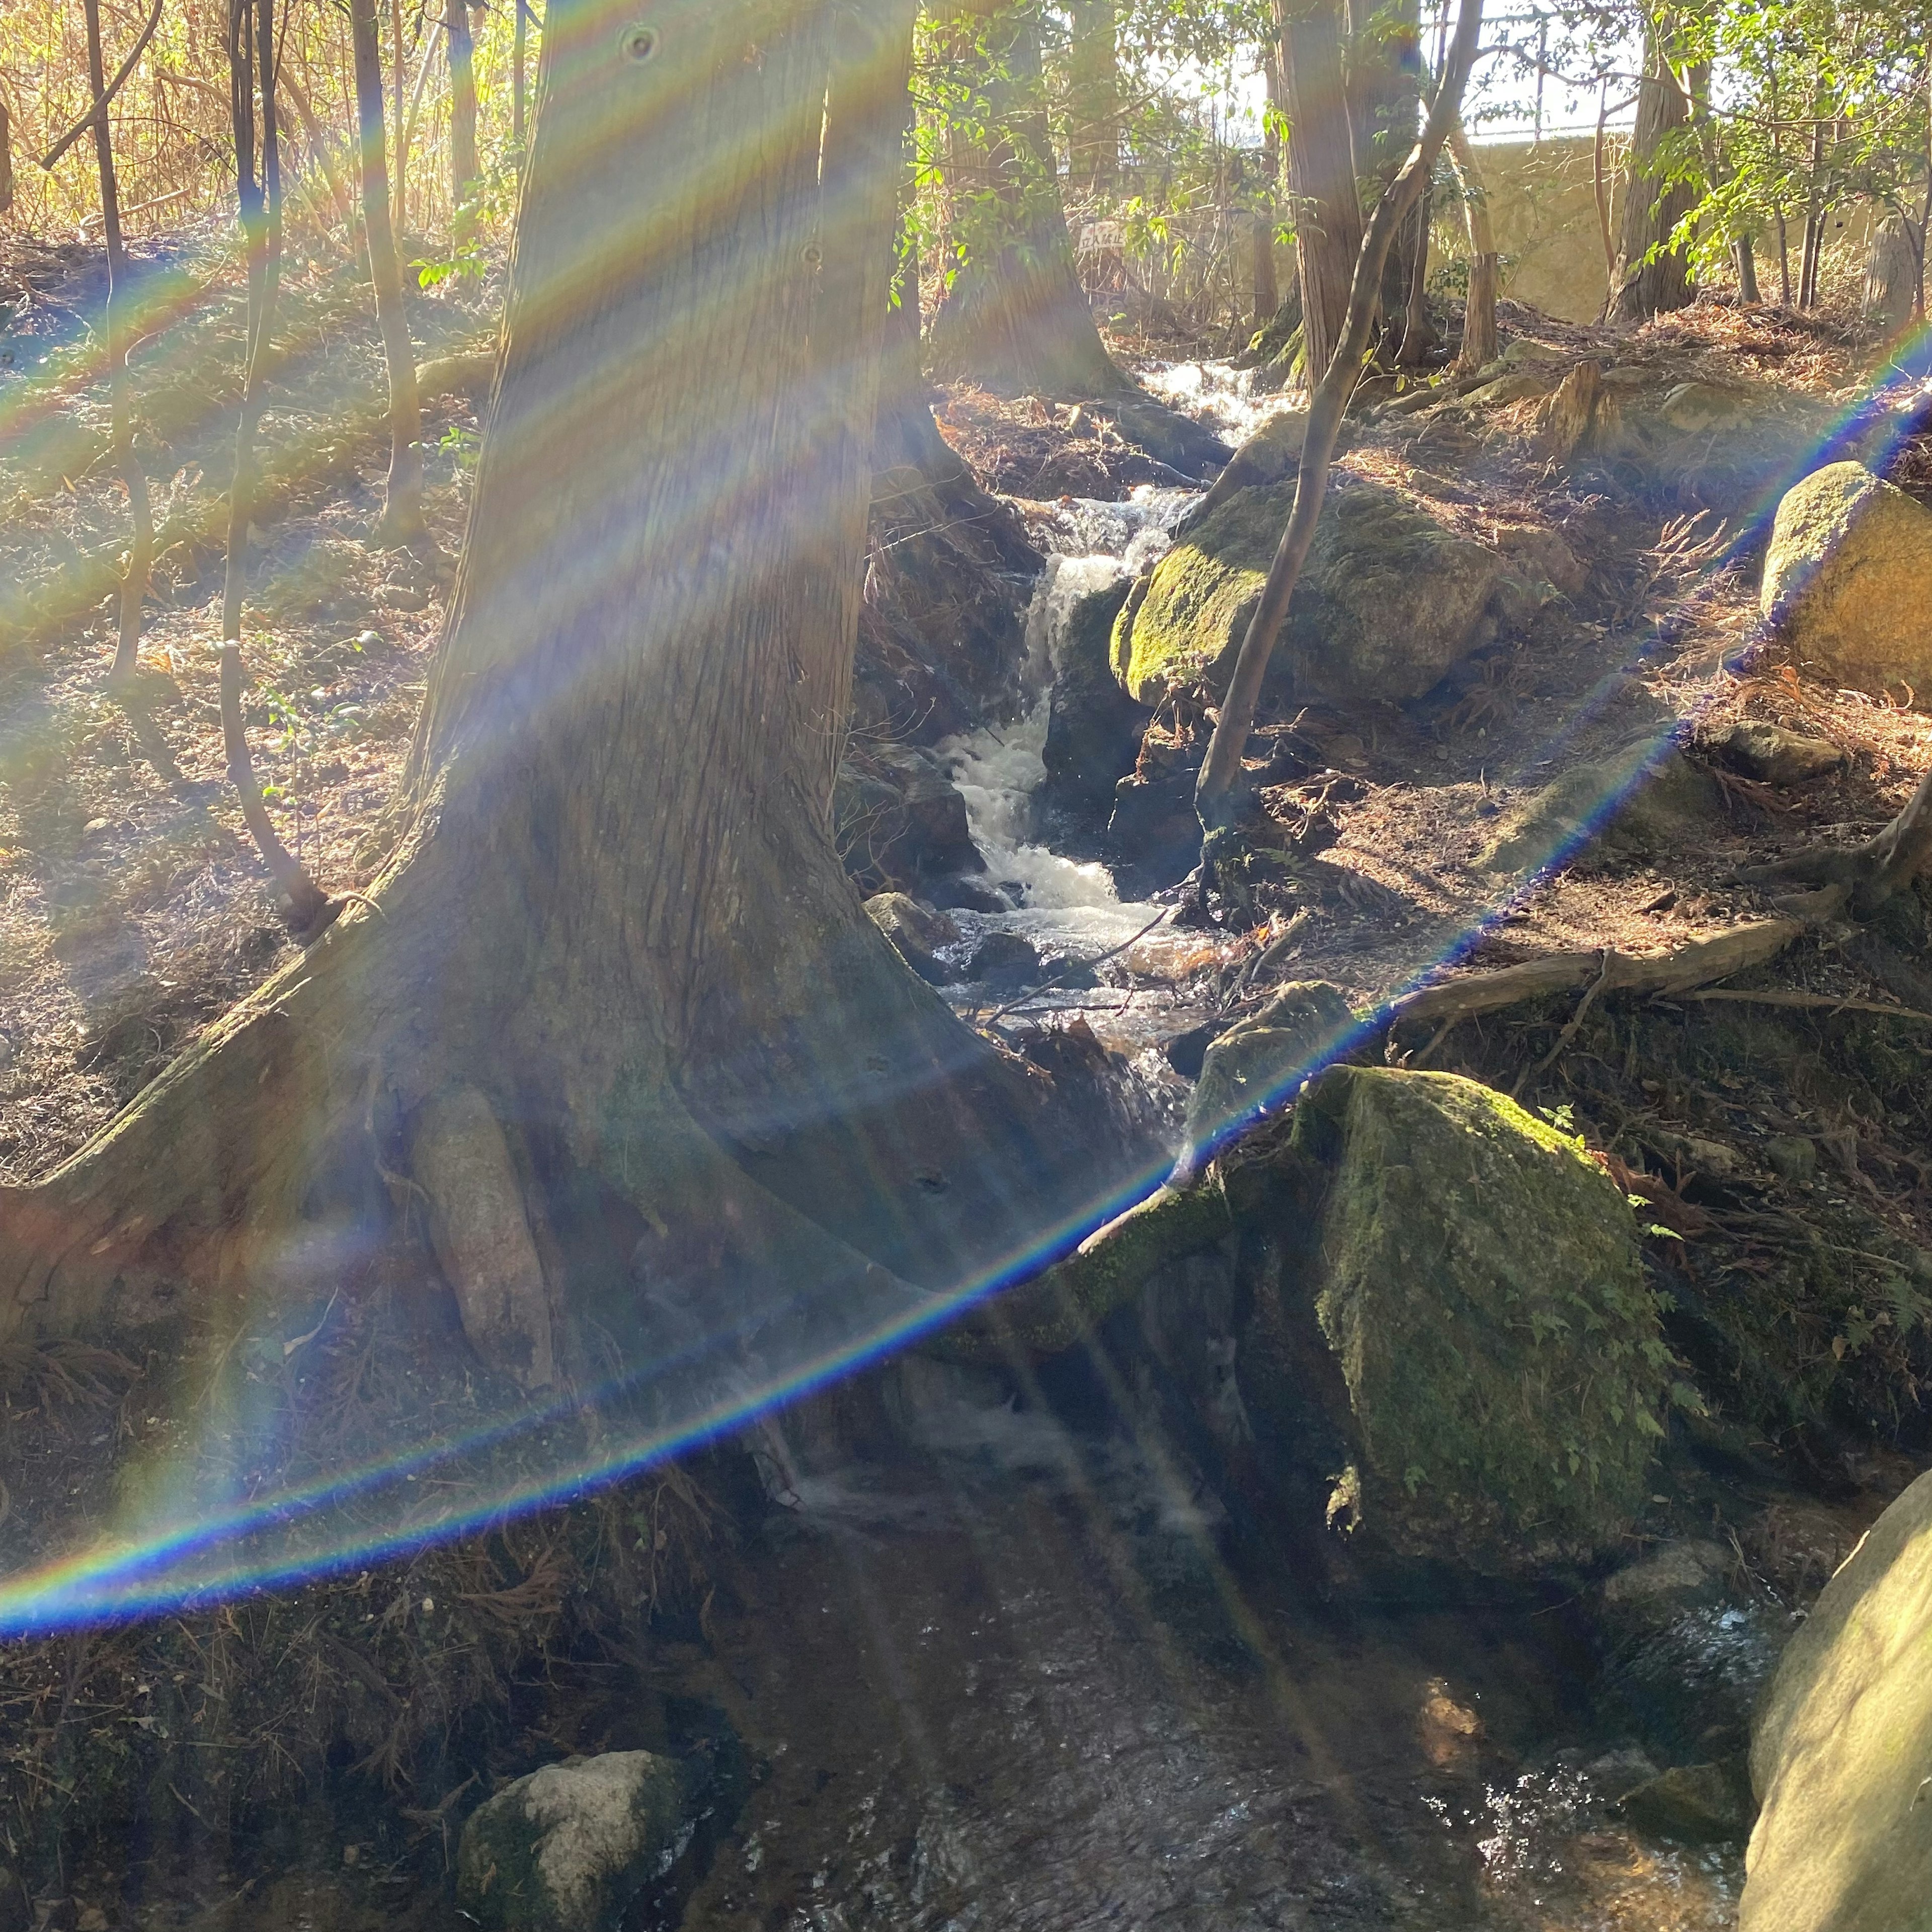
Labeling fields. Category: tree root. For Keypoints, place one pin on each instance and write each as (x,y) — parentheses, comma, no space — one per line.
(1868,874)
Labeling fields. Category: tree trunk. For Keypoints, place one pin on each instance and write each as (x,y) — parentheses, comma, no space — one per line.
(401,521)
(519,55)
(463,165)
(1321,173)
(1268,287)
(1093,97)
(1014,316)
(617,1023)
(1480,346)
(1652,208)
(1418,332)
(134,579)
(6,160)
(1746,254)
(1384,94)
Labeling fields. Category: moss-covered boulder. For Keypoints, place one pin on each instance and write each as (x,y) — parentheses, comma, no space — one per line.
(1389,600)
(1481,1288)
(1848,580)
(1842,1759)
(1644,797)
(1261,1060)
(568,1848)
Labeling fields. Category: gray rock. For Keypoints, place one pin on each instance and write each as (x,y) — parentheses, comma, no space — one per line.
(1093,728)
(1793,1155)
(566,1849)
(1646,797)
(1262,1060)
(1762,750)
(1004,958)
(1693,1804)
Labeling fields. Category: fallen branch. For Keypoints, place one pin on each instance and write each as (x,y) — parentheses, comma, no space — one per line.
(1821,1002)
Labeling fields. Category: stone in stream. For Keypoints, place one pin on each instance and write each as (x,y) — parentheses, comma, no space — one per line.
(1389,599)
(1842,1756)
(567,1848)
(1261,1060)
(1848,580)
(917,932)
(1007,959)
(1478,1281)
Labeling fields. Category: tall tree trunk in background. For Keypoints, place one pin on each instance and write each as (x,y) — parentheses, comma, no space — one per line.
(6,160)
(617,1004)
(1418,332)
(1093,97)
(1812,247)
(1384,77)
(401,521)
(1745,250)
(140,549)
(1652,209)
(462,164)
(1014,316)
(1326,209)
(1479,347)
(1267,289)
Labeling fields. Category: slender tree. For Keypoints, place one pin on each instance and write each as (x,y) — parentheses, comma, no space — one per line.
(400,523)
(1215,795)
(251,66)
(463,167)
(113,327)
(1480,345)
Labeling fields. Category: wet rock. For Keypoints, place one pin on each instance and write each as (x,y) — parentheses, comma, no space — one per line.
(917,931)
(1164,434)
(1480,1285)
(1693,1804)
(1762,750)
(1848,579)
(900,820)
(1646,797)
(566,1849)
(1684,1652)
(1008,959)
(1271,453)
(1844,1746)
(1093,728)
(1389,600)
(1262,1060)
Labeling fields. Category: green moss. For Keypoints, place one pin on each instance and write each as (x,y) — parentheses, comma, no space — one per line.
(1482,1291)
(1389,600)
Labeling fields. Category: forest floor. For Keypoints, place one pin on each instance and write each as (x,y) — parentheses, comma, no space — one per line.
(1782,1134)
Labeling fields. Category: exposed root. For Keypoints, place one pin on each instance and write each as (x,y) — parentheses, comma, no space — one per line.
(1870,874)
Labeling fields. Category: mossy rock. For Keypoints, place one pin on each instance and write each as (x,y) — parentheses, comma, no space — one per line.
(1848,579)
(1844,1746)
(1389,600)
(1481,1288)
(568,1848)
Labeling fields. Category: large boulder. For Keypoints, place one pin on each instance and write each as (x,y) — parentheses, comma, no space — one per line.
(1646,796)
(1390,599)
(567,1848)
(1481,1286)
(1848,579)
(1842,1759)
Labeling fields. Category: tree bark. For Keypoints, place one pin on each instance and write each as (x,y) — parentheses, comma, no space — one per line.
(519,55)
(1480,346)
(1652,207)
(134,478)
(1267,289)
(1384,75)
(1214,792)
(464,169)
(1014,316)
(1321,173)
(614,961)
(400,523)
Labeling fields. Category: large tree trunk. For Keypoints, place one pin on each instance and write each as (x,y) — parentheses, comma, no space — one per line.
(1014,316)
(1652,207)
(1328,209)
(1093,97)
(463,167)
(615,1022)
(401,521)
(1479,308)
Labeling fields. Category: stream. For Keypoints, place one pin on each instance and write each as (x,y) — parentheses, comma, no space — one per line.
(1021,1672)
